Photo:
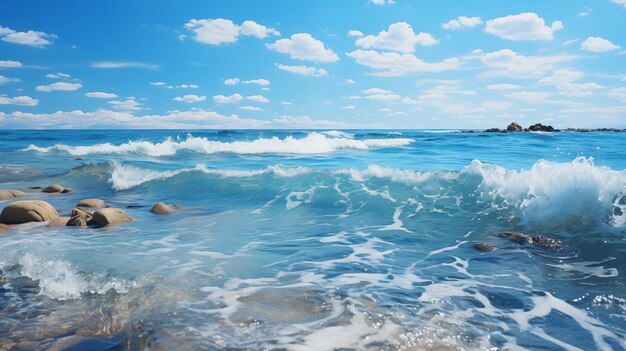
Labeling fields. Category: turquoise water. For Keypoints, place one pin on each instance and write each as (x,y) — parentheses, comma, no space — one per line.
(319,240)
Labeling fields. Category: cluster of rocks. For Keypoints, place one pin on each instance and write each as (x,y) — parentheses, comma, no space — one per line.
(542,241)
(538,127)
(92,213)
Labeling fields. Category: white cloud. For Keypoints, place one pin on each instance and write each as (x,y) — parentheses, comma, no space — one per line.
(399,37)
(620,2)
(59,86)
(302,46)
(382,2)
(569,42)
(221,99)
(598,44)
(462,22)
(10,64)
(394,64)
(158,83)
(507,62)
(262,82)
(578,89)
(531,97)
(303,70)
(218,31)
(250,108)
(191,98)
(618,93)
(31,38)
(101,95)
(355,33)
(232,81)
(257,98)
(18,100)
(561,76)
(58,75)
(4,80)
(524,26)
(376,91)
(127,105)
(348,107)
(380,94)
(503,86)
(585,12)
(128,64)
(349,81)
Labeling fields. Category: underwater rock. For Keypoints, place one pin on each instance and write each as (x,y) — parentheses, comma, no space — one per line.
(6,194)
(547,242)
(161,208)
(91,203)
(106,217)
(59,222)
(514,127)
(79,218)
(519,238)
(484,247)
(19,212)
(55,188)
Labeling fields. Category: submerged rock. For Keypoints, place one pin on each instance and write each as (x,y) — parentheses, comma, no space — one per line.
(91,203)
(79,218)
(547,242)
(161,208)
(59,222)
(6,194)
(484,247)
(514,127)
(519,238)
(107,217)
(55,188)
(19,212)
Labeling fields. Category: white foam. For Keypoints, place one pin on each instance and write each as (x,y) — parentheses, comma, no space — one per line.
(338,134)
(313,143)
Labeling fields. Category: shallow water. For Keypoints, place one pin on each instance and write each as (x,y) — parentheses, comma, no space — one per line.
(305,240)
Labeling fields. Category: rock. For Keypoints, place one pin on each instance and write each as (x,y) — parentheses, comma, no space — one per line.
(59,222)
(161,208)
(19,212)
(6,194)
(79,218)
(54,188)
(106,217)
(514,127)
(36,187)
(519,238)
(494,130)
(546,242)
(484,247)
(91,203)
(538,127)
(4,228)
(78,158)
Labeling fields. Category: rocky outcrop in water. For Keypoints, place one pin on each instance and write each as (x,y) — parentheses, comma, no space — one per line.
(541,241)
(484,247)
(107,217)
(55,188)
(6,194)
(59,222)
(19,212)
(161,208)
(538,127)
(514,127)
(79,218)
(91,203)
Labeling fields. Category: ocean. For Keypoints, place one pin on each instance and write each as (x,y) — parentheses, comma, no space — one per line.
(318,240)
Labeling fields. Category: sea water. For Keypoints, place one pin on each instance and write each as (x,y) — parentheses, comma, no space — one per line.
(318,240)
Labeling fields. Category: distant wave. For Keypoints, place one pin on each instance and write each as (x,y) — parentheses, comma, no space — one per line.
(313,143)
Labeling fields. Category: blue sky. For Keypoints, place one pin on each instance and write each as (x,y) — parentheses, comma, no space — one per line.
(312,64)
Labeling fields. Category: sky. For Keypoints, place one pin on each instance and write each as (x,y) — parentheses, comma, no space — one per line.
(312,64)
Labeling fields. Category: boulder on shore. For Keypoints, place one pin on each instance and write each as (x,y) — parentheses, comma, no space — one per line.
(161,208)
(19,212)
(55,188)
(91,203)
(59,222)
(6,194)
(106,217)
(514,127)
(79,218)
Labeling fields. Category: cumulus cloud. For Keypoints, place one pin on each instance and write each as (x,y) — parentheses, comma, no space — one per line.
(620,2)
(231,81)
(31,38)
(18,100)
(218,31)
(303,70)
(392,64)
(524,26)
(302,46)
(10,64)
(122,64)
(598,44)
(509,63)
(380,94)
(191,98)
(257,98)
(101,95)
(58,75)
(250,108)
(4,80)
(355,33)
(262,82)
(399,37)
(561,76)
(59,86)
(127,105)
(222,99)
(462,22)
